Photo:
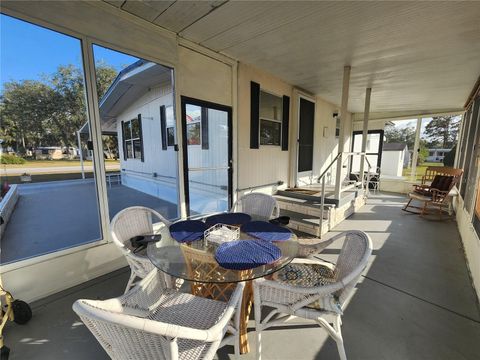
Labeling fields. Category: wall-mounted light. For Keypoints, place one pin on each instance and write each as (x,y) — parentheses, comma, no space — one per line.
(337,124)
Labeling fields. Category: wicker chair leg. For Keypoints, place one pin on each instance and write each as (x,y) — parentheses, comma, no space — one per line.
(341,348)
(259,343)
(130,281)
(336,333)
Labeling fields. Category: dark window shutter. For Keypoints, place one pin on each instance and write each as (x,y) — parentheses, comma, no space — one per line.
(285,122)
(124,144)
(204,125)
(254,114)
(141,135)
(163,126)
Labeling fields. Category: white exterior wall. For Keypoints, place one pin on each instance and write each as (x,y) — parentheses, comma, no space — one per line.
(392,163)
(268,164)
(325,146)
(141,175)
(155,159)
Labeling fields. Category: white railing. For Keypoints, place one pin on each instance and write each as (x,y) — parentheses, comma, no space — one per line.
(340,159)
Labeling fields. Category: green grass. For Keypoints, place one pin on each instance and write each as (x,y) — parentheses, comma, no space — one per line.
(420,170)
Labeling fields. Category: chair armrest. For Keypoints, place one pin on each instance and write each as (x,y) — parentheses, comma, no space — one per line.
(421,186)
(135,318)
(308,251)
(86,308)
(439,196)
(314,290)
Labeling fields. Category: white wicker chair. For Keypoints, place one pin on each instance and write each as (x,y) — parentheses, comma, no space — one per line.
(151,322)
(261,206)
(130,222)
(319,298)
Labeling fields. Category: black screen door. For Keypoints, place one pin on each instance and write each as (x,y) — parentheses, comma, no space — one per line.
(305,135)
(207,154)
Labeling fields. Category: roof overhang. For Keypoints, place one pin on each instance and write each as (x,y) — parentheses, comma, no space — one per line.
(130,84)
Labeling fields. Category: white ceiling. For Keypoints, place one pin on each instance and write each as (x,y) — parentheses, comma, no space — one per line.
(421,56)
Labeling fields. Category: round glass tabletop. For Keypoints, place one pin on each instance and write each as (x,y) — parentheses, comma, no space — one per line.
(196,260)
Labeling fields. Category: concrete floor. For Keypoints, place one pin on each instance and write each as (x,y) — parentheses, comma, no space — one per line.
(61,214)
(415,301)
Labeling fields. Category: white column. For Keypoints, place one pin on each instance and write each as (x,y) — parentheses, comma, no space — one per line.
(341,138)
(416,147)
(366,113)
(96,133)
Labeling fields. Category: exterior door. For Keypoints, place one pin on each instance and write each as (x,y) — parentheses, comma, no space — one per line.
(373,151)
(306,120)
(207,153)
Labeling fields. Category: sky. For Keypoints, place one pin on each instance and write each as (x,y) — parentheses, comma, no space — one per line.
(28,51)
(402,124)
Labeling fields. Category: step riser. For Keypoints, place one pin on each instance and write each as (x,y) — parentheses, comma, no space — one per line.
(301,196)
(312,230)
(302,209)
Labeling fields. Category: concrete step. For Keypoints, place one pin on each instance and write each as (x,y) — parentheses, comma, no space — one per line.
(305,223)
(346,196)
(303,206)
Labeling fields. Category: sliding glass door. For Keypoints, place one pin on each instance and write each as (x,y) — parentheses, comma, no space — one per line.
(136,103)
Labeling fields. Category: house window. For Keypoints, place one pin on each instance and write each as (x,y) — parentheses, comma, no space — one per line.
(194,119)
(270,132)
(170,136)
(132,131)
(271,112)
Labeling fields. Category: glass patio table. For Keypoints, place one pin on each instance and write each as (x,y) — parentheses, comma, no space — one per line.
(195,262)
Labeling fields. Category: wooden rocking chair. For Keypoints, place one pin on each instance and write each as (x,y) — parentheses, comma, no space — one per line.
(434,196)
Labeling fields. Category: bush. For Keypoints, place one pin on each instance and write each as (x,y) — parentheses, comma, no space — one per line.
(10,159)
(449,158)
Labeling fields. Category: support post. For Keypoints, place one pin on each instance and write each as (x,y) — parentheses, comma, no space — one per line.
(341,138)
(366,114)
(80,153)
(416,148)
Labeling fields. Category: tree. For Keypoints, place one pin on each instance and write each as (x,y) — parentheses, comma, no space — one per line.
(26,108)
(394,134)
(48,112)
(449,158)
(105,74)
(422,152)
(441,131)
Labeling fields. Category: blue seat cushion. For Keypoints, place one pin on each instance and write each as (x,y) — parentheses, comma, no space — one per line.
(188,230)
(246,254)
(266,231)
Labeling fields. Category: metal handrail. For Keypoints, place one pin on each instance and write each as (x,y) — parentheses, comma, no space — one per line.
(276,183)
(322,178)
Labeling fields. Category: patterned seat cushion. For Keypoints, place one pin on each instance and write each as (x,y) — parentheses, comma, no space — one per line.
(310,275)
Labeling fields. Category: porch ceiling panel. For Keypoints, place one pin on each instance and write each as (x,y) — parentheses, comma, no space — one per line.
(181,14)
(148,10)
(417,56)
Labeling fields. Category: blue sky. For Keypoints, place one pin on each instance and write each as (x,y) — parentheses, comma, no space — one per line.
(27,51)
